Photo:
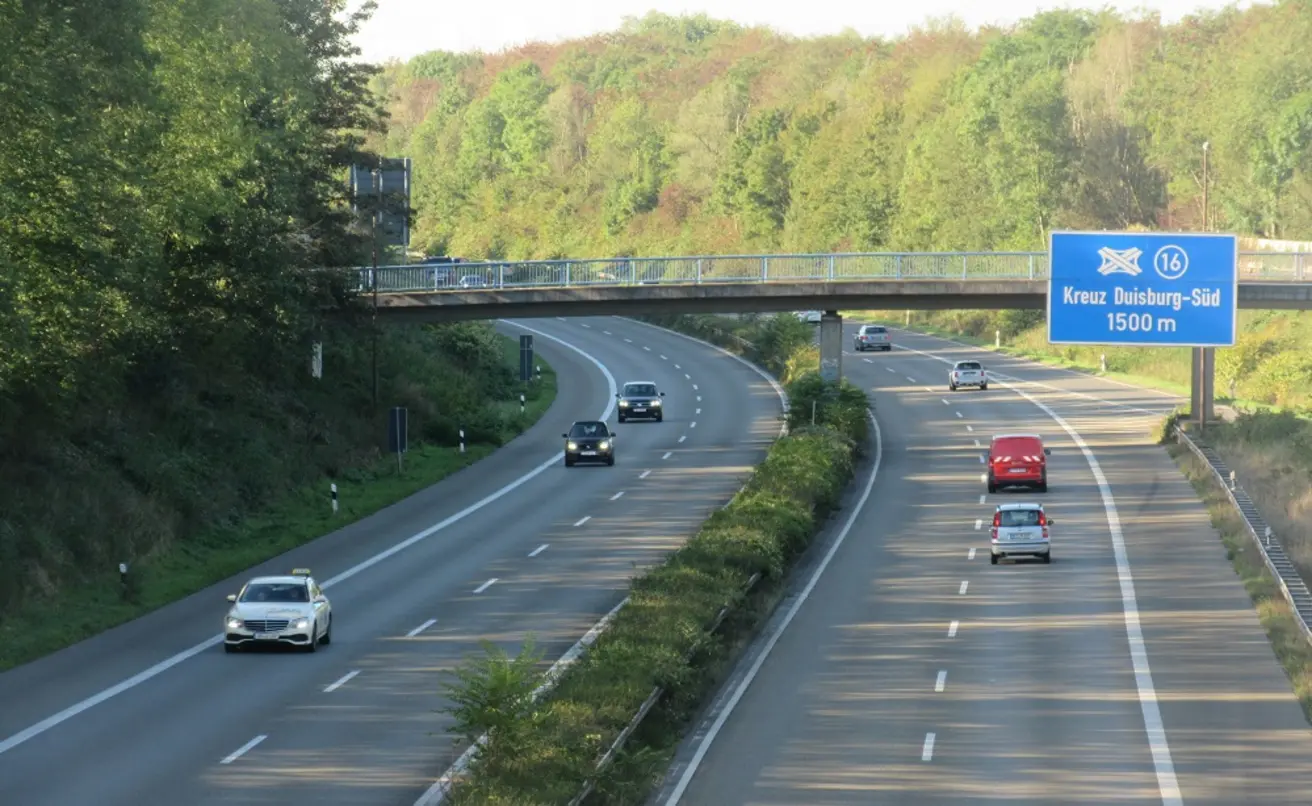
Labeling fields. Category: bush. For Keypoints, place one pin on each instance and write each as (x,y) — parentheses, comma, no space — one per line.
(661,638)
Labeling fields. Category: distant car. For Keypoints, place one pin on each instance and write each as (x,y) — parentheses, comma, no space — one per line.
(968,373)
(1018,460)
(810,317)
(639,400)
(1020,530)
(279,610)
(472,281)
(589,441)
(872,337)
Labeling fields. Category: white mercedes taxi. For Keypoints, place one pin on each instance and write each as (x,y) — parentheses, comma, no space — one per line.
(1020,530)
(280,610)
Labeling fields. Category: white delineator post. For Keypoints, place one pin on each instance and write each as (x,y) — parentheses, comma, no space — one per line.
(333,493)
(462,440)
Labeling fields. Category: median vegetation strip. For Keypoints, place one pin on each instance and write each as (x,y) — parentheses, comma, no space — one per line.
(467,370)
(1277,616)
(545,751)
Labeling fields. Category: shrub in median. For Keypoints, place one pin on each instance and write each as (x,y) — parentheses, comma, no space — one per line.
(654,640)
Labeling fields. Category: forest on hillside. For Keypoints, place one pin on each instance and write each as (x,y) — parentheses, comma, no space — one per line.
(173,171)
(686,135)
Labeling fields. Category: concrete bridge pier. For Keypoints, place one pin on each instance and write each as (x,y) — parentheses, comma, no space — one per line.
(1202,386)
(831,346)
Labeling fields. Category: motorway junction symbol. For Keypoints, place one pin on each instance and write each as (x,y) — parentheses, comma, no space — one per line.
(1119,262)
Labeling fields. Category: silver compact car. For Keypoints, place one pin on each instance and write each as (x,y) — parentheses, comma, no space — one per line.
(279,610)
(1020,530)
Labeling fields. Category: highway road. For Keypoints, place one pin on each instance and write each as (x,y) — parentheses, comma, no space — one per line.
(1132,670)
(154,712)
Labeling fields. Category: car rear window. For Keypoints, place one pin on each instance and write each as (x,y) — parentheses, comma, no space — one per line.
(873,329)
(1015,518)
(969,365)
(1018,446)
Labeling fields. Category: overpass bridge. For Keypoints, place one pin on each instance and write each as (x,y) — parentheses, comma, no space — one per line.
(629,286)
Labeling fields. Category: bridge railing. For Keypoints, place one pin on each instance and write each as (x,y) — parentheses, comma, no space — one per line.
(715,269)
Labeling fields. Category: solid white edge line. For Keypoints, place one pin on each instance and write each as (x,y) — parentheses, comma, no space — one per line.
(341,681)
(244,749)
(168,663)
(738,693)
(421,628)
(927,750)
(941,682)
(438,791)
(583,520)
(535,552)
(1168,785)
(486,585)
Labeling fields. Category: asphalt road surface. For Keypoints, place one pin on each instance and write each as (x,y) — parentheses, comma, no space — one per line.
(917,673)
(154,712)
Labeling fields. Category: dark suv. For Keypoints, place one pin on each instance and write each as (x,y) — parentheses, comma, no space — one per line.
(589,441)
(639,400)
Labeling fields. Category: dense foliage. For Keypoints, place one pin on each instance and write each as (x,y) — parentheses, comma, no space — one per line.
(172,169)
(544,751)
(688,135)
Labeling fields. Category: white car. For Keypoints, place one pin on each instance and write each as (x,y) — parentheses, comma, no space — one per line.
(872,337)
(968,373)
(1020,530)
(279,610)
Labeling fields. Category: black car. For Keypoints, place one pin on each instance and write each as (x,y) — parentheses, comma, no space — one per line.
(640,401)
(589,441)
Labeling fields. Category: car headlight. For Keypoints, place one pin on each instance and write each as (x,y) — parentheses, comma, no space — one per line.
(655,402)
(605,445)
(573,446)
(624,404)
(300,624)
(234,623)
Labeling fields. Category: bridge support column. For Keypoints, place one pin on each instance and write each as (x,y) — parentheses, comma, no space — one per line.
(831,346)
(1202,386)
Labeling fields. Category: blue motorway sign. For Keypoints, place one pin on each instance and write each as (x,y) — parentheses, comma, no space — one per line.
(1143,289)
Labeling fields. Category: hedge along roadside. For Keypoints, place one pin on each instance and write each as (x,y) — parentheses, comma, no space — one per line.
(544,751)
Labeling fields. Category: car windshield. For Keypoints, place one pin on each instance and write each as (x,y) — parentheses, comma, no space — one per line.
(1019,517)
(276,592)
(969,365)
(633,389)
(589,430)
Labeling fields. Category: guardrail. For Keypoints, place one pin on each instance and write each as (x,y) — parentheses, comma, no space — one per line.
(755,269)
(1291,582)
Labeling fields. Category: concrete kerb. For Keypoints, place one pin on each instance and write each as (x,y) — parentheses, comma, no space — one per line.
(1292,585)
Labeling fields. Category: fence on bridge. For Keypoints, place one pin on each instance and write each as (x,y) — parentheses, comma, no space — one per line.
(716,269)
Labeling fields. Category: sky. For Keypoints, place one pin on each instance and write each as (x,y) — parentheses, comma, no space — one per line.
(401,29)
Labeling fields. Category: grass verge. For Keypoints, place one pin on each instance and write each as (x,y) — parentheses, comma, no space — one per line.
(1278,619)
(543,752)
(215,554)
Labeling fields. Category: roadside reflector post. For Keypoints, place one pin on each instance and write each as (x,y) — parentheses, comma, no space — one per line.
(1234,481)
(333,492)
(462,440)
(1102,362)
(997,338)
(1267,535)
(521,404)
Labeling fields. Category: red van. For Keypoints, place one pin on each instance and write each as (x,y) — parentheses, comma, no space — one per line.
(1018,460)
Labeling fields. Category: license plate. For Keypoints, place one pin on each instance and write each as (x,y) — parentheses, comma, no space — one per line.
(266,636)
(589,453)
(639,411)
(1017,470)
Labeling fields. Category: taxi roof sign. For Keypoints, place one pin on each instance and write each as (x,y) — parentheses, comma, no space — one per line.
(300,572)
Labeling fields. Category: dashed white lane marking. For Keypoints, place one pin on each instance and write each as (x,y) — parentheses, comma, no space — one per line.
(699,398)
(942,680)
(648,349)
(699,411)
(964,584)
(585,325)
(244,749)
(341,681)
(535,552)
(981,459)
(486,585)
(645,474)
(983,499)
(667,454)
(970,428)
(960,415)
(630,341)
(676,366)
(689,377)
(931,389)
(682,438)
(911,379)
(983,478)
(617,495)
(560,319)
(952,628)
(977,445)
(927,751)
(970,555)
(663,358)
(694,388)
(945,402)
(583,520)
(868,361)
(693,424)
(890,369)
(608,333)
(421,628)
(979,524)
